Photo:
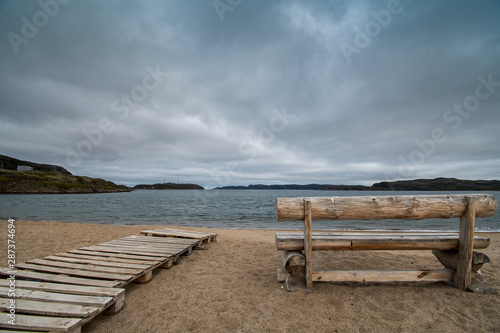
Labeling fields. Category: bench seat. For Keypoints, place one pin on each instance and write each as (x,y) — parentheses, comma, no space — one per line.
(339,240)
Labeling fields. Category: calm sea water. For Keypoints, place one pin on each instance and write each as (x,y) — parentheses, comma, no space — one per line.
(239,209)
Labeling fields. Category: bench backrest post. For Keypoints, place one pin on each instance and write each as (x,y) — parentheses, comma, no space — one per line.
(308,241)
(466,240)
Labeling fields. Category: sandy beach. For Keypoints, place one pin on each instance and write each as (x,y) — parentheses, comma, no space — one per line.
(232,287)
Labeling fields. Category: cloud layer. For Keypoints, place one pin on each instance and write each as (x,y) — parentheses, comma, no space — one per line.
(238,92)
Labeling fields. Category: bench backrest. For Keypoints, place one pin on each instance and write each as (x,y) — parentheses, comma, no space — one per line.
(408,207)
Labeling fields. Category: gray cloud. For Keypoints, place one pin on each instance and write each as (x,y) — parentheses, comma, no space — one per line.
(269,94)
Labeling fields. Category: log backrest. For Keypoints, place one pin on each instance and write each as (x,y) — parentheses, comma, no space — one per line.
(408,207)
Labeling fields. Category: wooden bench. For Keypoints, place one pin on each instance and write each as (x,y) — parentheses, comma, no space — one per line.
(454,250)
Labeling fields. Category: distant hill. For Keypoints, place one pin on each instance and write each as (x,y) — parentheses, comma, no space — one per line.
(168,186)
(437,184)
(46,178)
(275,187)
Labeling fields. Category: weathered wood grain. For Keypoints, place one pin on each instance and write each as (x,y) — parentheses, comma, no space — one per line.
(384,276)
(409,207)
(464,267)
(326,241)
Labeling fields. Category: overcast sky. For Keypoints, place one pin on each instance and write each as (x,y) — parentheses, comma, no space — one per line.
(237,92)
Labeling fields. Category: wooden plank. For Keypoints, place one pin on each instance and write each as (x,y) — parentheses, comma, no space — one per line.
(114,260)
(50,308)
(384,276)
(148,247)
(148,251)
(64,288)
(155,241)
(98,262)
(411,207)
(464,267)
(380,235)
(35,295)
(167,251)
(52,324)
(160,239)
(86,267)
(165,240)
(76,272)
(325,245)
(340,241)
(344,234)
(123,251)
(167,232)
(298,245)
(117,255)
(308,242)
(60,278)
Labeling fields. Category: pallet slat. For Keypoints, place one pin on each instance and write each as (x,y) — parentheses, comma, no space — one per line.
(50,308)
(167,232)
(56,297)
(60,278)
(112,255)
(98,262)
(64,288)
(53,324)
(85,267)
(76,272)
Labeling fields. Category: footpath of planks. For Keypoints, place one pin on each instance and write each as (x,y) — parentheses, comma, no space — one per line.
(66,290)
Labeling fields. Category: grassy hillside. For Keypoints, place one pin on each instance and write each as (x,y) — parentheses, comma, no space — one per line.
(53,182)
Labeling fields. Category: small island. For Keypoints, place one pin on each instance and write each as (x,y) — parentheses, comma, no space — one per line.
(168,186)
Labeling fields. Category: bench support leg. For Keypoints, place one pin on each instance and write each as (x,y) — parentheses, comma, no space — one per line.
(308,242)
(466,239)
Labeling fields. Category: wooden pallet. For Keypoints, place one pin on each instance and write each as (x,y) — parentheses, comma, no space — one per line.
(111,264)
(176,233)
(56,307)
(73,287)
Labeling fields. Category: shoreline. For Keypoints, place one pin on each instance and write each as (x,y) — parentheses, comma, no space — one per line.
(232,286)
(159,226)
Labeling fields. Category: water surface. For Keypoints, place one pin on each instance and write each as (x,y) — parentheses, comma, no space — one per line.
(240,209)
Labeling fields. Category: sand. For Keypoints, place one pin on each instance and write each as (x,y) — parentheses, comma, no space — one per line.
(232,287)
